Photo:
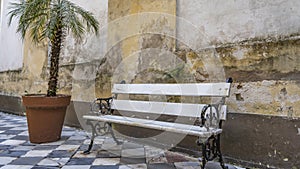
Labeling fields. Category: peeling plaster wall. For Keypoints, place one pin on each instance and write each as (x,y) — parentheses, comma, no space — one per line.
(147,41)
(135,27)
(90,47)
(81,58)
(33,76)
(256,42)
(236,20)
(267,76)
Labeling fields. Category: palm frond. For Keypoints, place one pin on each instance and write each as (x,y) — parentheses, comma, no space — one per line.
(51,19)
(75,15)
(32,16)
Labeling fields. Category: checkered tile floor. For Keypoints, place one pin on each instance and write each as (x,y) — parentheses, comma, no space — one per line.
(17,152)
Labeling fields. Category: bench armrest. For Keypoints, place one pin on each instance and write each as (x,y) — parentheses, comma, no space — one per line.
(210,116)
(101,106)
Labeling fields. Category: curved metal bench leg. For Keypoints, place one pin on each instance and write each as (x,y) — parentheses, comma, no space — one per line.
(92,138)
(204,161)
(88,151)
(222,164)
(211,150)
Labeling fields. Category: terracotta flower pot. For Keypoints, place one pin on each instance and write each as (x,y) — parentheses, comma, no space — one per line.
(45,116)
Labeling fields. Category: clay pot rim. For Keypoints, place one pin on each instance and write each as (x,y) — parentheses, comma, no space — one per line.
(45,95)
(42,100)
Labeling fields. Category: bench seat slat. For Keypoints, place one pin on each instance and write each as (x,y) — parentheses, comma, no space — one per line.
(191,89)
(162,108)
(158,125)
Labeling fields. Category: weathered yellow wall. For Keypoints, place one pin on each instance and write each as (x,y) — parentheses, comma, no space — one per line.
(267,75)
(131,20)
(142,43)
(31,78)
(262,68)
(133,26)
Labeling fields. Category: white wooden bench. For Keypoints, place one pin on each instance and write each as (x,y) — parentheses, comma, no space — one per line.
(209,116)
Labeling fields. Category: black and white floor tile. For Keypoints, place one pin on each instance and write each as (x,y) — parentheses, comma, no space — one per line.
(16,152)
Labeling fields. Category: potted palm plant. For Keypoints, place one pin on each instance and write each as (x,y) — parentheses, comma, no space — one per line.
(49,21)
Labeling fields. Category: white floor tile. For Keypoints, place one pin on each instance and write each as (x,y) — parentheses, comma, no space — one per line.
(17,167)
(6,160)
(68,147)
(12,142)
(76,167)
(80,154)
(106,161)
(37,153)
(133,166)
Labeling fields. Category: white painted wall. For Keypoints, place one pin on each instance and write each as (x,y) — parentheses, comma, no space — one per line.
(11,45)
(224,21)
(90,48)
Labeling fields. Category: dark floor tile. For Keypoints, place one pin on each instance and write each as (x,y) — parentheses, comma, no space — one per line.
(84,147)
(28,143)
(127,160)
(20,138)
(64,138)
(13,132)
(81,161)
(174,157)
(60,154)
(26,161)
(6,147)
(6,128)
(161,166)
(73,142)
(8,153)
(105,167)
(216,165)
(44,167)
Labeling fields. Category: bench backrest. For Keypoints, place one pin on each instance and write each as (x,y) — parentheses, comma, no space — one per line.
(221,90)
(191,89)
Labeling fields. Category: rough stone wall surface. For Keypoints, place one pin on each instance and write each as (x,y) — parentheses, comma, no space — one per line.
(265,72)
(146,41)
(255,42)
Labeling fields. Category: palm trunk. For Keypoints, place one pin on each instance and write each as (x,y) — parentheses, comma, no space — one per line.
(54,61)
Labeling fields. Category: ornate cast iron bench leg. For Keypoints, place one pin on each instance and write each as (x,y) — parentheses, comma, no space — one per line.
(101,106)
(92,138)
(219,152)
(100,130)
(211,147)
(211,150)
